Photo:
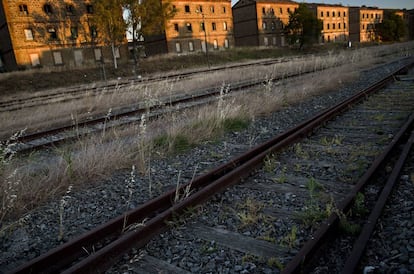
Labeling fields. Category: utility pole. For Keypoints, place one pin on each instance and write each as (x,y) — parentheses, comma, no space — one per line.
(205,36)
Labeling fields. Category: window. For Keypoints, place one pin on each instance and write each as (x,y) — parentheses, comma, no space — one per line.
(52,33)
(372,16)
(339,25)
(177,47)
(344,14)
(98,54)
(187,8)
(117,53)
(70,10)
(35,59)
(321,13)
(344,25)
(190,46)
(213,26)
(189,27)
(47,8)
(272,12)
(333,26)
(23,9)
(74,33)
(28,33)
(212,9)
(264,25)
(264,10)
(327,14)
(224,25)
(226,43)
(215,44)
(273,25)
(327,26)
(202,26)
(288,10)
(93,31)
(265,41)
(57,58)
(363,26)
(89,8)
(224,9)
(333,14)
(200,8)
(281,10)
(176,27)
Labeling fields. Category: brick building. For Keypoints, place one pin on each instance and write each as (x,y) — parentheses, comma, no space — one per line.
(362,23)
(261,22)
(49,33)
(335,21)
(200,25)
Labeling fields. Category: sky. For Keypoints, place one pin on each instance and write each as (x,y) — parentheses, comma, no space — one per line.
(386,4)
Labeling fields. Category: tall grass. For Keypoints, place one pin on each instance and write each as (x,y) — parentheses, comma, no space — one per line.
(36,180)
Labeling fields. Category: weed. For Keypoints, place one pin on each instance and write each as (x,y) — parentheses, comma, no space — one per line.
(336,140)
(209,248)
(269,163)
(235,124)
(249,258)
(349,228)
(290,239)
(300,152)
(358,208)
(314,187)
(268,238)
(250,212)
(274,262)
(130,185)
(62,204)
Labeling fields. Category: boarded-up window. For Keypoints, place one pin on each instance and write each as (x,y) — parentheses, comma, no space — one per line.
(34,59)
(191,46)
(226,43)
(78,57)
(98,54)
(57,57)
(177,47)
(28,33)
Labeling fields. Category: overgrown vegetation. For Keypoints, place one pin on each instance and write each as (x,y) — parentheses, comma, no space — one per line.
(89,159)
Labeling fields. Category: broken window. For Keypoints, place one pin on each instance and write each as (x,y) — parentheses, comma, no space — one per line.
(23,9)
(47,8)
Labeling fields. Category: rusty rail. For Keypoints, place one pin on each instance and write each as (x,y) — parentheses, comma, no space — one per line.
(327,229)
(162,209)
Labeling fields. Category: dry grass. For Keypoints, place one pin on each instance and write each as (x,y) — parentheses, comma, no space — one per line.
(33,181)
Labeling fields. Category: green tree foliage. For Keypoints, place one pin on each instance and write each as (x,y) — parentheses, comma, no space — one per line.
(303,27)
(146,17)
(392,28)
(109,22)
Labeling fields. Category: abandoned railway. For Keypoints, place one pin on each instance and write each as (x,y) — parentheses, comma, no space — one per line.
(284,190)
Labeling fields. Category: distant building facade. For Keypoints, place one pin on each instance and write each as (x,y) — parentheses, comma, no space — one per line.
(362,23)
(261,22)
(49,33)
(200,25)
(335,20)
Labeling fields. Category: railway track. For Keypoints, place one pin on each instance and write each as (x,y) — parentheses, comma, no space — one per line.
(79,92)
(328,148)
(126,115)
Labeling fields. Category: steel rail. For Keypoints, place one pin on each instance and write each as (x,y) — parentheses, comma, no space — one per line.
(161,209)
(74,91)
(362,241)
(100,119)
(301,260)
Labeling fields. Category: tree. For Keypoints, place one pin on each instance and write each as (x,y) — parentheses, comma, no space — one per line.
(110,24)
(392,28)
(146,17)
(303,27)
